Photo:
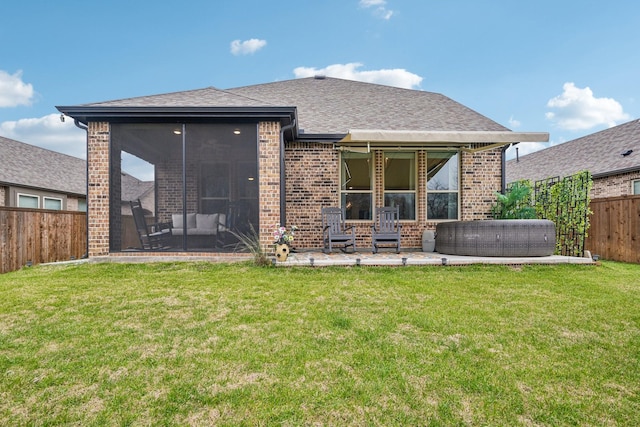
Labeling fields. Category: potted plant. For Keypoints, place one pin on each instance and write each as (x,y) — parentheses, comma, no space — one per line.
(283,239)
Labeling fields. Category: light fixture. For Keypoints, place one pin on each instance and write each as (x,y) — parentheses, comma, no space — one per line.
(236,131)
(251,178)
(177,131)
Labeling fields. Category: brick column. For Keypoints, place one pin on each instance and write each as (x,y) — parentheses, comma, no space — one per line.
(269,173)
(98,188)
(378,183)
(481,178)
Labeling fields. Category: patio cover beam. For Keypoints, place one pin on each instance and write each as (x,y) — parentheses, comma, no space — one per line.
(495,138)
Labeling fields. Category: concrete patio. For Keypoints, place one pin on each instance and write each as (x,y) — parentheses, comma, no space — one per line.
(382,258)
(316,258)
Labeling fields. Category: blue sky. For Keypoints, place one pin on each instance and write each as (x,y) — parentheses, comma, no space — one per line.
(564,67)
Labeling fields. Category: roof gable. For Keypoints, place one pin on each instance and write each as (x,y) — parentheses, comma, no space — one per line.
(600,153)
(30,166)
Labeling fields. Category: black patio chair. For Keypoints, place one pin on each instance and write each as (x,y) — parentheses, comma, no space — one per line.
(386,229)
(335,232)
(155,236)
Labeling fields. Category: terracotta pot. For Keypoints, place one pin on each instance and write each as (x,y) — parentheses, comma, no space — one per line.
(282,252)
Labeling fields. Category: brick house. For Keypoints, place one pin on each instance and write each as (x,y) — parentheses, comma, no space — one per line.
(612,156)
(33,177)
(278,152)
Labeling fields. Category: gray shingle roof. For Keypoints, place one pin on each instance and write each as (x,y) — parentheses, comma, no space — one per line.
(330,105)
(207,97)
(30,166)
(333,106)
(600,153)
(132,188)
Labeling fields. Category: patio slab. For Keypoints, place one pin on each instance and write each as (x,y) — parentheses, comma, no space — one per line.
(319,259)
(316,258)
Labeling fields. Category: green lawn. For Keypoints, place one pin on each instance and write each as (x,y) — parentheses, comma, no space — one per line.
(234,344)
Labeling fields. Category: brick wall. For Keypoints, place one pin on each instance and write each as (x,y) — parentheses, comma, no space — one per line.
(98,188)
(615,185)
(168,174)
(313,182)
(480,179)
(269,173)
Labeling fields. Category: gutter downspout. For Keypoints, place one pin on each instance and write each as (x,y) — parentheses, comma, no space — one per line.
(86,190)
(283,182)
(503,165)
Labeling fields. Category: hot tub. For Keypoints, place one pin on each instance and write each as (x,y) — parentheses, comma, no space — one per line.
(499,238)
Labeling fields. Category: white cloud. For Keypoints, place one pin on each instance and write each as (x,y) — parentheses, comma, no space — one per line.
(13,91)
(247,47)
(398,77)
(525,148)
(379,8)
(48,132)
(514,123)
(578,109)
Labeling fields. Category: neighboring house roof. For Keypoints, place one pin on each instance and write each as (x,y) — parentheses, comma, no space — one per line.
(133,188)
(29,166)
(323,106)
(600,153)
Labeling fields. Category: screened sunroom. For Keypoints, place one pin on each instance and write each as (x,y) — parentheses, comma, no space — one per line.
(205,185)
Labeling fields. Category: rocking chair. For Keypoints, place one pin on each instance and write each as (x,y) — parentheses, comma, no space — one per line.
(334,231)
(152,236)
(386,229)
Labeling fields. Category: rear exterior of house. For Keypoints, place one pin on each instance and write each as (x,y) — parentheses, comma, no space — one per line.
(276,153)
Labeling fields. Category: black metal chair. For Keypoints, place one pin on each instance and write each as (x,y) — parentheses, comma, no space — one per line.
(386,229)
(335,232)
(155,236)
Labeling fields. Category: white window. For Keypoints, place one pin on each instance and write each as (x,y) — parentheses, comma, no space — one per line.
(52,203)
(400,182)
(82,205)
(442,185)
(28,201)
(636,187)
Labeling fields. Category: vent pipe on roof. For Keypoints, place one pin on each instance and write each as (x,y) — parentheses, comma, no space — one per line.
(319,77)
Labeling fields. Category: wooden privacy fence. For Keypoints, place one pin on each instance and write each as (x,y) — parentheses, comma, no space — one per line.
(34,236)
(615,229)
